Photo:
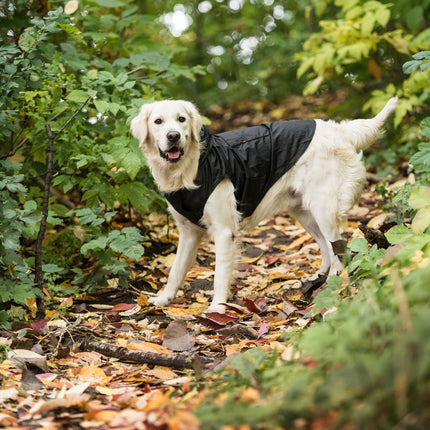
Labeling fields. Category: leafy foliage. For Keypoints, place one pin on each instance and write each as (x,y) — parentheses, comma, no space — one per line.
(16,221)
(100,53)
(367,362)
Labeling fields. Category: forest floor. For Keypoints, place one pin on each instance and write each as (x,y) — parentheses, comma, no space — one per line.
(112,360)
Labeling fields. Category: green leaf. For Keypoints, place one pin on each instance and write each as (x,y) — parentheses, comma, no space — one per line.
(95,244)
(398,234)
(422,55)
(358,244)
(328,297)
(101,105)
(425,126)
(77,96)
(52,268)
(132,163)
(108,3)
(247,364)
(410,66)
(414,16)
(30,206)
(420,197)
(136,194)
(421,220)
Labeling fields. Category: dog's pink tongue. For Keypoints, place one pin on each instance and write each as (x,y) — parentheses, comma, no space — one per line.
(174,155)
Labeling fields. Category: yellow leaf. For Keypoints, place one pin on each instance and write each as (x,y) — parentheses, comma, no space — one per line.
(251,260)
(157,401)
(163,373)
(92,373)
(183,420)
(142,300)
(194,309)
(104,416)
(31,303)
(106,391)
(148,347)
(299,241)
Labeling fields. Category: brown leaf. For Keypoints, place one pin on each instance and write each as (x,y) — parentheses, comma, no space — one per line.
(120,307)
(177,338)
(215,320)
(252,306)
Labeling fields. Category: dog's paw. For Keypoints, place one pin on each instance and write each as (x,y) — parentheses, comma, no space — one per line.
(160,301)
(220,309)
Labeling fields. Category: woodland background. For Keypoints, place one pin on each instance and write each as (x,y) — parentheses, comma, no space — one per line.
(77,198)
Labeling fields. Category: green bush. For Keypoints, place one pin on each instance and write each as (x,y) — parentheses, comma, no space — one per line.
(17,220)
(84,72)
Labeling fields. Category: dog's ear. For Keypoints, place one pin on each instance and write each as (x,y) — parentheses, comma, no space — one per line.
(139,124)
(196,120)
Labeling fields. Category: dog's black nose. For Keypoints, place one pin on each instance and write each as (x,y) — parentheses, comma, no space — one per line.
(173,136)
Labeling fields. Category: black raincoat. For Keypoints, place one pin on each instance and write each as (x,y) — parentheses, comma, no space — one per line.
(252,158)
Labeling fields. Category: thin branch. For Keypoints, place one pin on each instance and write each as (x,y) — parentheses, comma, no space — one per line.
(72,117)
(137,69)
(26,139)
(14,150)
(45,205)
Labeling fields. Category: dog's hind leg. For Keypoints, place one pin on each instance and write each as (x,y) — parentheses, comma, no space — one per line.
(328,224)
(189,240)
(306,219)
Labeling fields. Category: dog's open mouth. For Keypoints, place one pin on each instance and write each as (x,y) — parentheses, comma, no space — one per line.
(173,155)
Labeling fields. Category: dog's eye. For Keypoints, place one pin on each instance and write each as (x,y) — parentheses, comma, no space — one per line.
(181,119)
(158,121)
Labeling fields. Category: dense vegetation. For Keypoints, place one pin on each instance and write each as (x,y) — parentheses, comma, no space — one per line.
(73,74)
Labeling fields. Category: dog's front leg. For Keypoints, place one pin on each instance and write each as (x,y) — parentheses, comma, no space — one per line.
(222,220)
(189,240)
(225,250)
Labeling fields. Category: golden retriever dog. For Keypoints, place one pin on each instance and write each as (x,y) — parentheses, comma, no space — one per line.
(222,183)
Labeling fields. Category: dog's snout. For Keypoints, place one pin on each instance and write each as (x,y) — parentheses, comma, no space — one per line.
(173,136)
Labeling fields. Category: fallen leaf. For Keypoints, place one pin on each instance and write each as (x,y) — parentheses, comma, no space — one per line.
(120,307)
(92,373)
(106,390)
(142,300)
(21,357)
(148,347)
(177,338)
(8,394)
(299,241)
(252,306)
(104,415)
(264,328)
(183,420)
(163,373)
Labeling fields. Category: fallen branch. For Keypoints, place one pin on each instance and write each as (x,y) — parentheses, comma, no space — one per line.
(179,360)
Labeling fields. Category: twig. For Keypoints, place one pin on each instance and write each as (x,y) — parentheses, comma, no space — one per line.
(179,360)
(45,207)
(26,139)
(137,69)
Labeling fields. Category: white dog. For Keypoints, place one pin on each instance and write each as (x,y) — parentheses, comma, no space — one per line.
(222,183)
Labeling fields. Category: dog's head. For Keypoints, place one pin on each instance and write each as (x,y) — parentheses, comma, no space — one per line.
(168,128)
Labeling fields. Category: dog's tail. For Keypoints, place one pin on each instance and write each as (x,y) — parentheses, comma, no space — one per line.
(365,132)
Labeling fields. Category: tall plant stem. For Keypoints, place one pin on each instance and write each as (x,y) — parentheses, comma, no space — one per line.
(45,208)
